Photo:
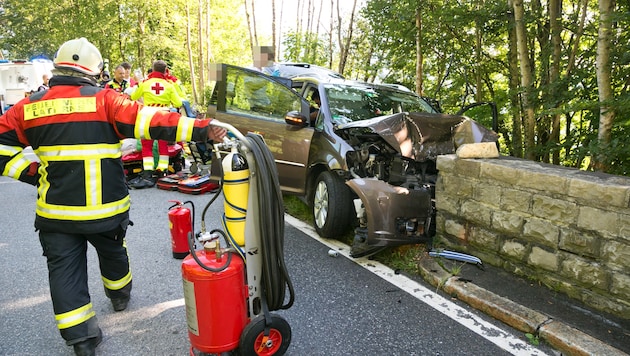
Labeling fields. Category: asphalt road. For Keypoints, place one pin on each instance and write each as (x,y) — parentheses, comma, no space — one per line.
(341,308)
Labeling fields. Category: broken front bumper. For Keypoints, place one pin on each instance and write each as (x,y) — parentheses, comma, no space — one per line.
(389,215)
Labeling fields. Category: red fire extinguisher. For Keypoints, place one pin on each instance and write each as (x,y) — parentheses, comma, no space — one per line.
(215,294)
(180,225)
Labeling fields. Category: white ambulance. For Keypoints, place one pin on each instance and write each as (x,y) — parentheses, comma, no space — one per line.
(20,78)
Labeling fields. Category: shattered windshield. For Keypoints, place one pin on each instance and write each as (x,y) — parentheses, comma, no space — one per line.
(349,103)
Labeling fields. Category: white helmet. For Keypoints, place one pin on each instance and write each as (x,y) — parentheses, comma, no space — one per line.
(79,55)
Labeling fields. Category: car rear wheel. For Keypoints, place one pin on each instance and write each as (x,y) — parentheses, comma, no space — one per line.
(332,205)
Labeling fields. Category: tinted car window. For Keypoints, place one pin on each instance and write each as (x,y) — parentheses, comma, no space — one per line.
(355,102)
(253,94)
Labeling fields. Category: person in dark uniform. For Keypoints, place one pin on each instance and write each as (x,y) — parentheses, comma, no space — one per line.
(75,129)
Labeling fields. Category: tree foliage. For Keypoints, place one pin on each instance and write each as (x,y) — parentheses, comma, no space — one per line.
(468,51)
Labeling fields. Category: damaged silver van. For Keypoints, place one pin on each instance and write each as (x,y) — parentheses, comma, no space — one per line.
(361,155)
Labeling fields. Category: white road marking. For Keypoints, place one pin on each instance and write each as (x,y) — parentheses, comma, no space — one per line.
(503,339)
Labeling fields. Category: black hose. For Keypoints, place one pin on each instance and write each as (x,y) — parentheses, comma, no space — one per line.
(275,278)
(191,248)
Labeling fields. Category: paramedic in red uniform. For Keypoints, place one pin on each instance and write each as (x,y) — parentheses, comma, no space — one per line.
(158,92)
(75,129)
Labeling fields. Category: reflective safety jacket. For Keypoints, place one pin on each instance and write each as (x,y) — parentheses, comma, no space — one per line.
(75,129)
(157,91)
(119,87)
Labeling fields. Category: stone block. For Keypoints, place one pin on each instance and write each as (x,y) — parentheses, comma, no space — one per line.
(602,221)
(484,239)
(624,227)
(487,194)
(476,212)
(478,150)
(541,231)
(456,229)
(447,203)
(544,182)
(620,284)
(580,243)
(571,341)
(599,192)
(505,173)
(446,163)
(559,210)
(514,249)
(456,186)
(544,259)
(616,254)
(467,168)
(507,222)
(516,200)
(587,273)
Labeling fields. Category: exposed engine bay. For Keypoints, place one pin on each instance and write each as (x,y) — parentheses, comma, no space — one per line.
(393,173)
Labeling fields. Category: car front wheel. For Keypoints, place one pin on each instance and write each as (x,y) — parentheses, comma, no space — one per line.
(332,206)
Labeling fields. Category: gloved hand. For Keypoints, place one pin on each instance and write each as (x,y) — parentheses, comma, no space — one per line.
(216,133)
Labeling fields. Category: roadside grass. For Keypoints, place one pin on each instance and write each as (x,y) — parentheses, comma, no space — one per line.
(403,258)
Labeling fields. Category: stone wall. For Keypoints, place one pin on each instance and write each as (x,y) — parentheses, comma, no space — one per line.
(566,228)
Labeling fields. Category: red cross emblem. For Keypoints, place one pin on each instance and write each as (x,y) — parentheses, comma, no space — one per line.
(157,88)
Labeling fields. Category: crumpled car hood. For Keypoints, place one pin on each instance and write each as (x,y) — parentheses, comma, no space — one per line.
(423,136)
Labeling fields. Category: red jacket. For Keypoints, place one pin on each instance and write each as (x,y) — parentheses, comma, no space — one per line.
(75,129)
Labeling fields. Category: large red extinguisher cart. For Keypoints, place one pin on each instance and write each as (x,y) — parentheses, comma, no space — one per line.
(227,308)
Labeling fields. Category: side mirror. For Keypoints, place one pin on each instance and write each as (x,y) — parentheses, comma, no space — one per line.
(294,118)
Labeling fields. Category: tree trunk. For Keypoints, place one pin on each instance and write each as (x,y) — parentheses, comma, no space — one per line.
(346,44)
(554,75)
(330,34)
(526,79)
(603,67)
(249,29)
(201,53)
(273,27)
(516,149)
(478,53)
(419,53)
(190,54)
(254,24)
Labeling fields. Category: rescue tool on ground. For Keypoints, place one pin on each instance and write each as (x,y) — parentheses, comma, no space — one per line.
(232,285)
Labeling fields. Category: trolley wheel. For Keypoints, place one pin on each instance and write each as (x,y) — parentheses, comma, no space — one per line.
(254,342)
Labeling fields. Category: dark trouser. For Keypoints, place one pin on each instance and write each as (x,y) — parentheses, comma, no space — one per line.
(68,277)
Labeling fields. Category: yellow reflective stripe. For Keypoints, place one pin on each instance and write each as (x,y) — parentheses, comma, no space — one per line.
(143,122)
(82,213)
(9,150)
(163,163)
(74,317)
(16,166)
(148,163)
(116,285)
(93,181)
(44,184)
(62,106)
(78,152)
(185,129)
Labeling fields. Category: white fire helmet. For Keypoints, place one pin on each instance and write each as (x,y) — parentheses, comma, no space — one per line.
(79,55)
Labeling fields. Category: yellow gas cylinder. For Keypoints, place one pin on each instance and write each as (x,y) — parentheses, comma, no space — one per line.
(235,191)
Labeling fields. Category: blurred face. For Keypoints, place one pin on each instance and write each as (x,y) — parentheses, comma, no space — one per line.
(127,73)
(119,74)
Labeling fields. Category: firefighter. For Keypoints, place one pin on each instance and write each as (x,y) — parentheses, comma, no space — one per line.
(75,129)
(158,92)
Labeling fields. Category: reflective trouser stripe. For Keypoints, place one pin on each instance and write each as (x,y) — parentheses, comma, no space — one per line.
(163,163)
(74,317)
(118,284)
(148,163)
